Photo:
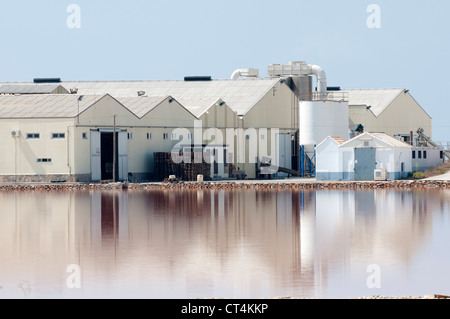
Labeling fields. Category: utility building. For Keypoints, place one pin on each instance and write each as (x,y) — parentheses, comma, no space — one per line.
(360,158)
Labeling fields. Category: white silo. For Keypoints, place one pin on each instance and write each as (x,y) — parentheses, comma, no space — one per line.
(320,119)
(321,113)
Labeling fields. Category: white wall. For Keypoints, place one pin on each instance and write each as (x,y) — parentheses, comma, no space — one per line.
(19,155)
(328,157)
(422,164)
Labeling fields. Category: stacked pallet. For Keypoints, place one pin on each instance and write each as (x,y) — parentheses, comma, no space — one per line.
(187,170)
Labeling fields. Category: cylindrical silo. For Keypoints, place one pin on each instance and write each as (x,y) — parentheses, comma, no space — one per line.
(320,119)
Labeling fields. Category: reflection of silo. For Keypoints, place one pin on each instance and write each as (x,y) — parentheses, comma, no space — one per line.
(302,87)
(320,119)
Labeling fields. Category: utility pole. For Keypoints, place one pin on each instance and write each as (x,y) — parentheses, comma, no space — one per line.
(114,149)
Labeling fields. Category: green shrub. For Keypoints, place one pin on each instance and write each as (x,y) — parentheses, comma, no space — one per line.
(419,175)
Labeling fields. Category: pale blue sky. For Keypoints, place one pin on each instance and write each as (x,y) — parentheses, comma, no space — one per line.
(152,40)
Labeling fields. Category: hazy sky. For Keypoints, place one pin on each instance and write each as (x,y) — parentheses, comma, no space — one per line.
(157,40)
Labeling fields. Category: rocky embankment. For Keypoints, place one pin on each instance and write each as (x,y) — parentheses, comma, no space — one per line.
(238,185)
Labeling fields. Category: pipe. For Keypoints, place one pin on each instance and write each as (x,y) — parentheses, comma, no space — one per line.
(297,68)
(321,77)
(254,73)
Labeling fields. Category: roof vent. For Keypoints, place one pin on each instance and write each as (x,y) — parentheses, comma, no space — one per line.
(197,78)
(333,88)
(74,91)
(47,80)
(141,93)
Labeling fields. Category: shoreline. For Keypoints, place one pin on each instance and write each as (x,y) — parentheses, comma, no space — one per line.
(280,185)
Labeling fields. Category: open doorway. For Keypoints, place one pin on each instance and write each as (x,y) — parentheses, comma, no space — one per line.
(107,151)
(102,155)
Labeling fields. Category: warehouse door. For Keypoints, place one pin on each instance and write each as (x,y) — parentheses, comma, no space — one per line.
(365,164)
(102,151)
(284,153)
(123,156)
(107,155)
(96,156)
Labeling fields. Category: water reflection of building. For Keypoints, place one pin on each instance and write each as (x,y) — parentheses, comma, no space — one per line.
(164,244)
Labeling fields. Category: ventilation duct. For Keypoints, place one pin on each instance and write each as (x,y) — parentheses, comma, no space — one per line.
(249,73)
(300,68)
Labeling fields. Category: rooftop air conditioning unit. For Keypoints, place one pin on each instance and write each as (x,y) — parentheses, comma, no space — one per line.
(15,133)
(381,174)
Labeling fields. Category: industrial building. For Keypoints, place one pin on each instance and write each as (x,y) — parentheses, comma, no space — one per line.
(392,111)
(360,158)
(64,131)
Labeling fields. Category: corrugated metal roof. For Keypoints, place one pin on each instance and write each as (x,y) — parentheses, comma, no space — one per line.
(28,88)
(338,139)
(140,106)
(44,105)
(378,99)
(389,139)
(198,106)
(240,95)
(383,137)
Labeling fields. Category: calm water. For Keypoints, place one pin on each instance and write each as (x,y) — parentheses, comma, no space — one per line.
(202,244)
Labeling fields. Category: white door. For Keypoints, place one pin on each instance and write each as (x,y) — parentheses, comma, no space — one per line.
(123,156)
(96,156)
(284,153)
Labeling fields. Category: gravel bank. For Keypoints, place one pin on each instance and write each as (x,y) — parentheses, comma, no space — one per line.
(238,185)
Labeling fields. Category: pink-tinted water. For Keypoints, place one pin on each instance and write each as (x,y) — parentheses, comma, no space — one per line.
(230,244)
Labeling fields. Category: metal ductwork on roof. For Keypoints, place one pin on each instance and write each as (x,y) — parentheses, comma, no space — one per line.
(249,73)
(300,68)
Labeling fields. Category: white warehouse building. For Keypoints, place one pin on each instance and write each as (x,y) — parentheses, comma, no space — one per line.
(63,130)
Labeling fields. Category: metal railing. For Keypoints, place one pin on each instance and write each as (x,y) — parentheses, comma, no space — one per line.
(335,96)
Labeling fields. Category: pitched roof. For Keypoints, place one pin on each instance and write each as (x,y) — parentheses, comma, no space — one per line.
(378,99)
(389,139)
(240,95)
(338,139)
(30,88)
(45,105)
(383,137)
(140,106)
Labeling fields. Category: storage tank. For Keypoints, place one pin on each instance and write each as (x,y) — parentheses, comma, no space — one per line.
(320,119)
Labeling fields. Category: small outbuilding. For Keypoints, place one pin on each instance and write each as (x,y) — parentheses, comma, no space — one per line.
(367,157)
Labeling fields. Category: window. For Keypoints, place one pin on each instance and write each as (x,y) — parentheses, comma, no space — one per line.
(413,154)
(165,136)
(442,154)
(44,160)
(403,167)
(189,136)
(425,154)
(130,136)
(420,154)
(247,137)
(263,137)
(174,136)
(84,136)
(149,136)
(31,136)
(58,135)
